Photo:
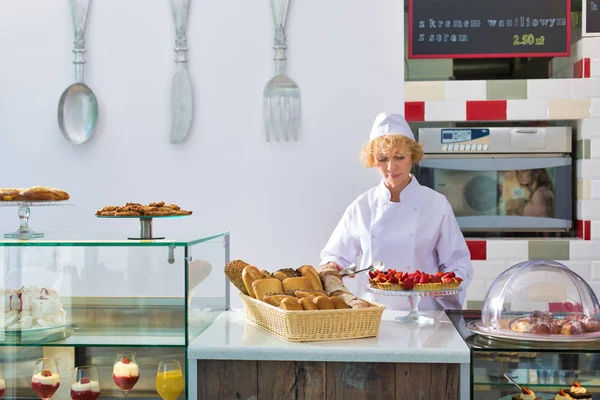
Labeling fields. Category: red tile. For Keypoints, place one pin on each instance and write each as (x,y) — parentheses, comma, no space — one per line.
(478,249)
(550,69)
(578,69)
(579,229)
(414,111)
(586,68)
(486,110)
(583,229)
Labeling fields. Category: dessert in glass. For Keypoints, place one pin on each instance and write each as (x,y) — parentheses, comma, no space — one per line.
(85,384)
(45,380)
(126,371)
(2,383)
(169,380)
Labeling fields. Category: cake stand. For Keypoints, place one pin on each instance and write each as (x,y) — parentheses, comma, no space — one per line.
(414,297)
(24,232)
(145,224)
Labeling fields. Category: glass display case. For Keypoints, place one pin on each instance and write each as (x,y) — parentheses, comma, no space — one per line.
(82,299)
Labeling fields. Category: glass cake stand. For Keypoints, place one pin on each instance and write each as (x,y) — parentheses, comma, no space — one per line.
(414,297)
(145,224)
(24,232)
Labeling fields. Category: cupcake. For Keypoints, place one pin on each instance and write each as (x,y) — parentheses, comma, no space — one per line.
(526,394)
(578,392)
(562,395)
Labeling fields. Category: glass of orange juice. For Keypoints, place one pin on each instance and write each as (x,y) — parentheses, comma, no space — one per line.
(169,379)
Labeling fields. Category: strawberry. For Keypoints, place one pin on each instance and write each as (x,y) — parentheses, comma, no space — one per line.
(451,274)
(46,373)
(576,384)
(408,284)
(439,273)
(382,278)
(398,275)
(372,274)
(562,393)
(84,380)
(526,391)
(458,279)
(424,279)
(377,272)
(404,276)
(393,279)
(125,360)
(418,272)
(436,279)
(446,279)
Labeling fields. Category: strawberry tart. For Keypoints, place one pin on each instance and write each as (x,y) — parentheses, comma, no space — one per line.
(32,307)
(398,280)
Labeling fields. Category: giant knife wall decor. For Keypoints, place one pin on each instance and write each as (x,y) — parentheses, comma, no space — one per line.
(281,96)
(78,106)
(181,86)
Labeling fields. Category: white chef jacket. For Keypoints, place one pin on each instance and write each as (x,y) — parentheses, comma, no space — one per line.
(420,232)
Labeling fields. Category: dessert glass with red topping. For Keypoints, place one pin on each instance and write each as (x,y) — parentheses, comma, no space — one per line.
(45,380)
(85,384)
(126,371)
(2,383)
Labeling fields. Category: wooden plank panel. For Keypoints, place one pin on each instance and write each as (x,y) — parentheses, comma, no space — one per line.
(358,381)
(222,379)
(427,381)
(295,380)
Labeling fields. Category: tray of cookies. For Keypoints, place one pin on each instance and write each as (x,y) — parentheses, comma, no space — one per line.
(145,213)
(303,304)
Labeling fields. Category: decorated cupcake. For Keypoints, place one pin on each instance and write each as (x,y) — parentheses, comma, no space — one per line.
(562,395)
(578,392)
(526,394)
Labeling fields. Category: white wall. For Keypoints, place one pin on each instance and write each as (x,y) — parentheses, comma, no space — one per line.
(279,200)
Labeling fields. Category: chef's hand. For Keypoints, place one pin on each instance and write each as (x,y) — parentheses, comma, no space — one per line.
(339,268)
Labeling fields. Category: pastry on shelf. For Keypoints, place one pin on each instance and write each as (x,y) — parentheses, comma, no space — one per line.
(562,395)
(398,280)
(526,394)
(36,193)
(544,323)
(154,209)
(32,307)
(576,391)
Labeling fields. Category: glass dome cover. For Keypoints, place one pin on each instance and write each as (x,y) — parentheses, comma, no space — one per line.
(541,297)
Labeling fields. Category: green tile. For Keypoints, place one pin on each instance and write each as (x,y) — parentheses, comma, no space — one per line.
(548,250)
(506,89)
(474,304)
(582,149)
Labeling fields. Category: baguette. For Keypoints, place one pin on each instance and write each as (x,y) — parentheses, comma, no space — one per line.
(308,304)
(323,303)
(308,294)
(334,286)
(338,303)
(312,275)
(291,305)
(275,300)
(249,275)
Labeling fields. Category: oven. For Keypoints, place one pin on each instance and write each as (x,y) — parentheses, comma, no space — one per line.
(503,179)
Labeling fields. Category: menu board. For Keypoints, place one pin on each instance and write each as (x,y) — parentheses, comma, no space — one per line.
(591,17)
(489,29)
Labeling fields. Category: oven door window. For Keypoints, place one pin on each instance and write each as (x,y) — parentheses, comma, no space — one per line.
(504,193)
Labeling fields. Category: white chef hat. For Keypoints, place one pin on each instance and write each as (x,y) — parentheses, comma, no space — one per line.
(390,124)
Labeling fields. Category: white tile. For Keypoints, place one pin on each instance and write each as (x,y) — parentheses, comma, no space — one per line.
(547,89)
(588,128)
(596,270)
(594,148)
(595,230)
(595,190)
(581,268)
(466,90)
(590,47)
(584,88)
(588,169)
(507,250)
(487,270)
(584,250)
(588,209)
(595,108)
(451,110)
(477,290)
(526,109)
(595,67)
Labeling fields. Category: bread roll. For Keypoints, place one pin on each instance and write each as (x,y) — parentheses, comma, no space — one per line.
(234,270)
(264,286)
(291,305)
(308,294)
(249,275)
(307,304)
(338,303)
(323,303)
(265,273)
(334,286)
(292,284)
(312,275)
(275,300)
(285,273)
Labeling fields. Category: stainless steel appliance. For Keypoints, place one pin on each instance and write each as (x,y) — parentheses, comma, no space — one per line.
(509,179)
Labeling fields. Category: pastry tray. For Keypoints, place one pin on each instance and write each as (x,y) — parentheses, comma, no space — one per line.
(145,224)
(506,334)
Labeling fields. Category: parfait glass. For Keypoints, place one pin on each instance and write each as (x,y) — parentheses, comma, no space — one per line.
(86,385)
(2,383)
(45,379)
(169,380)
(126,371)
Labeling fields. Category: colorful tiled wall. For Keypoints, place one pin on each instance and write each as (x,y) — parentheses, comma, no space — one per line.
(574,97)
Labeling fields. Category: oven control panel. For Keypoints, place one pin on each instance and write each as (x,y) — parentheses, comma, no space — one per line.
(465,139)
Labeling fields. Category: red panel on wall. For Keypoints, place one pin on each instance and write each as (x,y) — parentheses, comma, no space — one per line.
(478,249)
(578,69)
(414,111)
(583,229)
(486,110)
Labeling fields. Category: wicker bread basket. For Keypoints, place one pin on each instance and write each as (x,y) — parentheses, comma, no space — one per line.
(310,326)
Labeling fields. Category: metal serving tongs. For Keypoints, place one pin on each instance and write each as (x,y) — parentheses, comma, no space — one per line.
(511,380)
(351,270)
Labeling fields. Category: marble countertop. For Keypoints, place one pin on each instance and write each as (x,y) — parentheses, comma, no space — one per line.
(230,337)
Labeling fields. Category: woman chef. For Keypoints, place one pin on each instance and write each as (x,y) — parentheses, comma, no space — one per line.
(399,222)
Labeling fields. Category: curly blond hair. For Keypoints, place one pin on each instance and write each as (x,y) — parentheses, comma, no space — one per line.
(394,144)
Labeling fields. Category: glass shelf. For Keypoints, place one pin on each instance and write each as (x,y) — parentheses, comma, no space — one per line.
(78,239)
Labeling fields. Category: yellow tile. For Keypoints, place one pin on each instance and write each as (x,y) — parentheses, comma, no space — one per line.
(569,108)
(583,189)
(425,91)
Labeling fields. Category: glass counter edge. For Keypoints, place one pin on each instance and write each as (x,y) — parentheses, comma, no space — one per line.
(109,243)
